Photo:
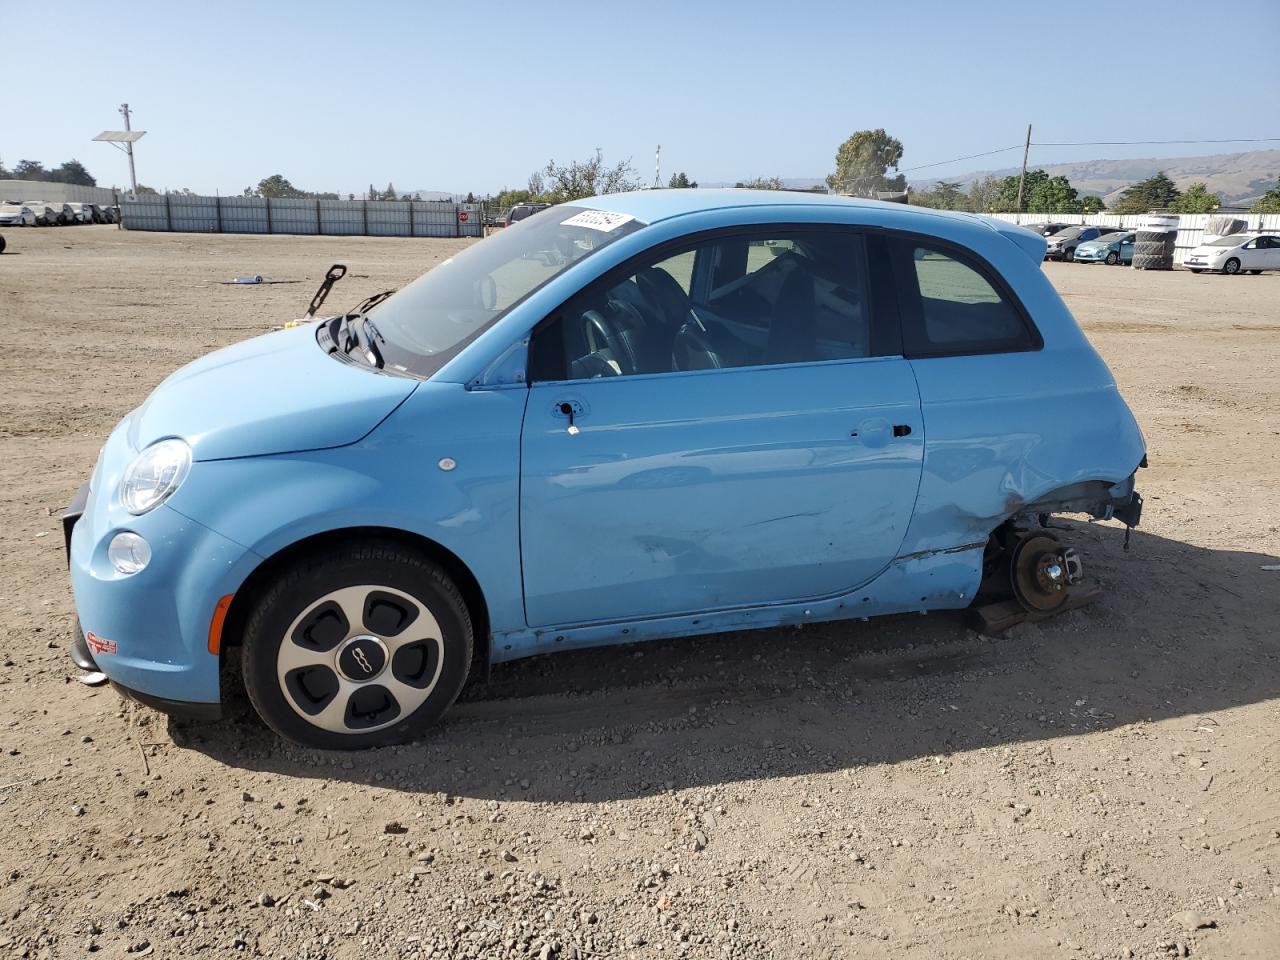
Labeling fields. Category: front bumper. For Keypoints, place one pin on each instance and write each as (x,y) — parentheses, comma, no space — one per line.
(82,657)
(149,632)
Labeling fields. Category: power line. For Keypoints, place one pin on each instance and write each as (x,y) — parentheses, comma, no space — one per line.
(1141,143)
(972,156)
(1065,143)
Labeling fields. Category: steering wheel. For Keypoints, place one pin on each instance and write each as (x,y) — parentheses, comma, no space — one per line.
(596,328)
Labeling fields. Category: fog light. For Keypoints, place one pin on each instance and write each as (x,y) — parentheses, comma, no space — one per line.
(128,553)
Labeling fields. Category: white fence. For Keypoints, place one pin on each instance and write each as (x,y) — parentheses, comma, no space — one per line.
(373,218)
(1190,225)
(21,190)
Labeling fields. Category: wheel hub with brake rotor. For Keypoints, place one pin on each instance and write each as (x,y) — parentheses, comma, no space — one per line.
(1041,571)
(360,658)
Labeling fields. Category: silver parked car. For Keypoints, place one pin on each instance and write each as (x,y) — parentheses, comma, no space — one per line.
(18,215)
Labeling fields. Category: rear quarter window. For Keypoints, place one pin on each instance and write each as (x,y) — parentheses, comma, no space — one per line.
(954,304)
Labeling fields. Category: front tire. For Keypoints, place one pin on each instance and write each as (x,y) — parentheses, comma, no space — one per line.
(1231,267)
(1113,258)
(359,646)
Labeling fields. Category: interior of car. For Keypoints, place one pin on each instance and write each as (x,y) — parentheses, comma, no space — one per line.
(732,302)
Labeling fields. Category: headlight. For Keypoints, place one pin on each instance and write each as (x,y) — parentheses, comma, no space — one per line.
(154,475)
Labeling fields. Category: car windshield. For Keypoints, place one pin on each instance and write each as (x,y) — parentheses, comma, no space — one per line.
(1227,241)
(1069,234)
(432,319)
(1111,237)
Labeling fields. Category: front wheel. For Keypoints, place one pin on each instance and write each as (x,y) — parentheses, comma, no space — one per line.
(1113,258)
(1231,267)
(357,647)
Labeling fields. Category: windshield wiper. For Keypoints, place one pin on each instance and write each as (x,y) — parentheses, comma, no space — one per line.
(352,324)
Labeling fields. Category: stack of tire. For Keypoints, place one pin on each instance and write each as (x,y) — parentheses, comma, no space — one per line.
(1153,247)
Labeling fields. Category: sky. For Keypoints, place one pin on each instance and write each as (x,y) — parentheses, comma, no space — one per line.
(476,95)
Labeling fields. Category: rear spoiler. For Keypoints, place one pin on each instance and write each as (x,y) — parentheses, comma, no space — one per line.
(1028,241)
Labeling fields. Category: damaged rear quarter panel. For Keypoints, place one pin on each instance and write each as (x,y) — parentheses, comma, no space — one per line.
(1006,430)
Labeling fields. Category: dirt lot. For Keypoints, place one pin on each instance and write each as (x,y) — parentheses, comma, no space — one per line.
(1099,784)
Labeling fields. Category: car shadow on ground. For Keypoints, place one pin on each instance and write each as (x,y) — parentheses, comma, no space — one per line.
(1180,631)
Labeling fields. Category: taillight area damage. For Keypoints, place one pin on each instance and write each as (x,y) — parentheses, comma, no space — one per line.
(1029,573)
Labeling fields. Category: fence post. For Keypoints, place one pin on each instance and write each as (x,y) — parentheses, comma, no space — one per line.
(168,214)
(270,228)
(364,216)
(457,224)
(413,231)
(319,226)
(217,205)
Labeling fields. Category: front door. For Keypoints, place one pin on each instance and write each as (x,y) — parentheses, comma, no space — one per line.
(724,425)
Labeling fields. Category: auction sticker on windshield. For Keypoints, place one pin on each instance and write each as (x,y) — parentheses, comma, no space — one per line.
(603,220)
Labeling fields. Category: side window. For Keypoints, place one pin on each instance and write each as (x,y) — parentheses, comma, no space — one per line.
(793,295)
(957,307)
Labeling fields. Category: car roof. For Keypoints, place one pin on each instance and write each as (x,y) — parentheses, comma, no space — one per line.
(651,206)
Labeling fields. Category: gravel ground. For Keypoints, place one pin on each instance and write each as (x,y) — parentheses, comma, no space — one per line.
(1106,784)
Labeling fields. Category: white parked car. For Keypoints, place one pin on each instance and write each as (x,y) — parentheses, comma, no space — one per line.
(18,215)
(81,212)
(1237,253)
(46,213)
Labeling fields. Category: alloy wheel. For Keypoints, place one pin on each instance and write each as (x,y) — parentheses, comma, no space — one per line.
(359,659)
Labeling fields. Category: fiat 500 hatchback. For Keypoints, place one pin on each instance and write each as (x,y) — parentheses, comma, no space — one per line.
(641,415)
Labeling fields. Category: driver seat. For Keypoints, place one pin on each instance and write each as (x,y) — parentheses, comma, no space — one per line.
(793,324)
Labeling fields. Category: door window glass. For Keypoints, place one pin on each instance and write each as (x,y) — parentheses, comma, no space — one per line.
(788,296)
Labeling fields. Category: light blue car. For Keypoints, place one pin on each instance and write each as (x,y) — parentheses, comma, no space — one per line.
(642,415)
(1110,248)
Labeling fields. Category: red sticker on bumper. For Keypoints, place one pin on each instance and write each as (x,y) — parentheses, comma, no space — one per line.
(99,644)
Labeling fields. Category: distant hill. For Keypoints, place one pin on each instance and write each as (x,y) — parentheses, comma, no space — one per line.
(1236,177)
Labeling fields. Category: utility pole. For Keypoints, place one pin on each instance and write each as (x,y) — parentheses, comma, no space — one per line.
(1023,178)
(657,167)
(133,177)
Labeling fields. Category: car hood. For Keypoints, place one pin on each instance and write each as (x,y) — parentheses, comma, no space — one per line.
(1210,251)
(277,393)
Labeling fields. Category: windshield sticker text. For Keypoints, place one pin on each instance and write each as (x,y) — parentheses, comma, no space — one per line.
(598,220)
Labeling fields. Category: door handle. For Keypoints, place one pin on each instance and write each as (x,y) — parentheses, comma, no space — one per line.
(877,432)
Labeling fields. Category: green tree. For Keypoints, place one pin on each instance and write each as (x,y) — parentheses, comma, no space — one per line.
(1092,204)
(389,193)
(372,193)
(943,196)
(1196,199)
(277,187)
(30,170)
(681,181)
(863,163)
(984,195)
(1154,193)
(1053,195)
(509,198)
(471,197)
(73,171)
(763,183)
(1269,202)
(584,178)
